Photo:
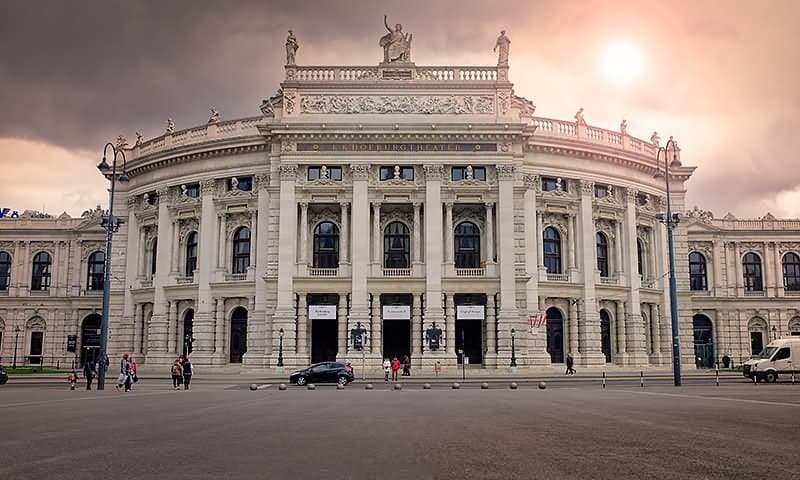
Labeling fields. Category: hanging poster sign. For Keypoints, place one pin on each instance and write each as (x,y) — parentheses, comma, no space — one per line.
(322,312)
(470,312)
(397,312)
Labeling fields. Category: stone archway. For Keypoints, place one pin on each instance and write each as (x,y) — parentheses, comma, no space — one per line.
(703,341)
(90,338)
(238,345)
(555,335)
(759,334)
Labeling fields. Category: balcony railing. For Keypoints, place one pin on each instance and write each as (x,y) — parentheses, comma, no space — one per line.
(323,272)
(184,280)
(609,280)
(792,293)
(235,277)
(470,272)
(756,293)
(146,283)
(558,277)
(396,272)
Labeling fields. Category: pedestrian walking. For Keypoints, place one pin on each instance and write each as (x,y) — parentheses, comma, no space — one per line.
(89,373)
(395,368)
(177,374)
(437,369)
(134,377)
(570,363)
(387,367)
(186,368)
(124,379)
(73,379)
(406,366)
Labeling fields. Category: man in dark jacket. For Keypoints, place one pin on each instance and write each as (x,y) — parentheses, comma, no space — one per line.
(570,363)
(187,373)
(89,373)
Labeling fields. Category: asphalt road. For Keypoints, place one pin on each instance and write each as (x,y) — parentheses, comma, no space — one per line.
(568,431)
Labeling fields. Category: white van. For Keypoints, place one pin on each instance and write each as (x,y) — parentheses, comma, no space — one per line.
(780,357)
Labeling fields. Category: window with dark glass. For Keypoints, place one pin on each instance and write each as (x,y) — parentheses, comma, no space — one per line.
(405,173)
(244,184)
(191,254)
(241,250)
(193,190)
(697,272)
(467,245)
(5,270)
(97,265)
(333,173)
(600,191)
(550,184)
(462,173)
(396,243)
(602,254)
(152,198)
(552,250)
(640,256)
(751,266)
(153,257)
(326,245)
(40,279)
(791,272)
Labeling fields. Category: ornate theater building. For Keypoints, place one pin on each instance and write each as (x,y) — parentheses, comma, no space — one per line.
(398,209)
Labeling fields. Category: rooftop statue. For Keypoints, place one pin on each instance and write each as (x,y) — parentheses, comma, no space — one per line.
(291,48)
(503,42)
(170,126)
(579,120)
(396,44)
(655,139)
(623,127)
(214,117)
(138,138)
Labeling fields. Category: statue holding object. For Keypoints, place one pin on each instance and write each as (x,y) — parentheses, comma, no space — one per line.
(396,44)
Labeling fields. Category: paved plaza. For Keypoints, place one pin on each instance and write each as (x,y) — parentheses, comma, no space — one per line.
(570,430)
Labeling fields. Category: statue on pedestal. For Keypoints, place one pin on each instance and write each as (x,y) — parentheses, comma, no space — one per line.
(170,126)
(396,44)
(579,120)
(623,127)
(291,48)
(358,337)
(433,335)
(503,43)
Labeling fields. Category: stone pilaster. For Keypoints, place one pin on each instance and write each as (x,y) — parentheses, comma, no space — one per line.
(285,310)
(157,337)
(636,346)
(203,323)
(589,327)
(433,244)
(508,317)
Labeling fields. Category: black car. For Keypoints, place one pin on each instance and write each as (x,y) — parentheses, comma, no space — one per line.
(324,372)
(3,375)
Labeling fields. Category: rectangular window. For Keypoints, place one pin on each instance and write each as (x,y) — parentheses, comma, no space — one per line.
(37,342)
(193,190)
(550,184)
(391,173)
(468,173)
(244,184)
(600,191)
(152,198)
(325,173)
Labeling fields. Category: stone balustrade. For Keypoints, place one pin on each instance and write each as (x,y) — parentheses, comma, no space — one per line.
(422,74)
(552,128)
(242,127)
(558,277)
(396,272)
(323,272)
(470,272)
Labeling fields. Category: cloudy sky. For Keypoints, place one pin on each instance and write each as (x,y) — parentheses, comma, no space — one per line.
(721,76)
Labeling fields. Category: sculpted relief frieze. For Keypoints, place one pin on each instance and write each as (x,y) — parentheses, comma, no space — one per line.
(427,104)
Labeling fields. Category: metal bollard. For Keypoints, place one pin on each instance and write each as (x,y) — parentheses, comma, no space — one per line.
(604,379)
(641,378)
(716,375)
(793,376)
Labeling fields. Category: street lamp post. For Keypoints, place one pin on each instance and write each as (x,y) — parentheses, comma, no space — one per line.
(670,220)
(16,339)
(280,348)
(513,349)
(112,225)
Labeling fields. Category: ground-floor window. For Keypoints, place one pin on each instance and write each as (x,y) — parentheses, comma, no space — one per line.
(703,341)
(555,335)
(470,319)
(324,323)
(238,335)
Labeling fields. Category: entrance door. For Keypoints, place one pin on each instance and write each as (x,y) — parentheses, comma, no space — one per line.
(605,334)
(555,335)
(469,339)
(37,345)
(90,339)
(238,335)
(703,341)
(756,342)
(324,343)
(396,338)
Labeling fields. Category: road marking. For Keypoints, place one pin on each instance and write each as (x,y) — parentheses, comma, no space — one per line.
(61,400)
(262,387)
(742,400)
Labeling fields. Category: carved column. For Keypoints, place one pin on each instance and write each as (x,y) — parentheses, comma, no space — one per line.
(416,326)
(344,244)
(303,233)
(219,330)
(415,247)
(222,244)
(376,324)
(448,233)
(361,256)
(173,325)
(636,346)
(142,260)
(540,237)
(571,241)
(377,237)
(302,325)
(285,313)
(508,317)
(450,326)
(433,244)
(159,320)
(618,260)
(537,346)
(620,321)
(491,325)
(175,245)
(770,272)
(589,327)
(779,288)
(137,329)
(253,240)
(341,327)
(573,325)
(258,327)
(489,232)
(737,264)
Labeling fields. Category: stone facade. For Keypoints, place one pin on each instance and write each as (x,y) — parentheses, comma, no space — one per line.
(360,201)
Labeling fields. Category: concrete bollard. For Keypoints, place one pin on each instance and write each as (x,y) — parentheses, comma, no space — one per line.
(542,385)
(641,378)
(339,386)
(311,386)
(398,386)
(368,386)
(604,379)
(253,386)
(282,386)
(427,386)
(513,386)
(456,386)
(484,386)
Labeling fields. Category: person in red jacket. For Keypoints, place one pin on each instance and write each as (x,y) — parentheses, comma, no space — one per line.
(395,368)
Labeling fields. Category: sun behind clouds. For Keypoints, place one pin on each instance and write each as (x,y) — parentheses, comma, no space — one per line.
(622,62)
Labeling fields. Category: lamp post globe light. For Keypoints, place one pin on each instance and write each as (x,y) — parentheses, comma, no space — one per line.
(670,220)
(16,339)
(280,348)
(513,349)
(112,225)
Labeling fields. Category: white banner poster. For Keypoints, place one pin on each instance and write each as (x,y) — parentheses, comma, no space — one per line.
(397,312)
(322,312)
(469,312)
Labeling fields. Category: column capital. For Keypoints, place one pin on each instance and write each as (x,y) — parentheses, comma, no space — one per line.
(376,205)
(288,172)
(489,204)
(631,194)
(207,186)
(262,180)
(531,181)
(344,205)
(163,193)
(587,187)
(416,205)
(433,172)
(449,205)
(505,171)
(131,202)
(359,171)
(304,205)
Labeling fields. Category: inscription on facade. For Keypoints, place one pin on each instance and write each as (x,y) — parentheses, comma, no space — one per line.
(396,147)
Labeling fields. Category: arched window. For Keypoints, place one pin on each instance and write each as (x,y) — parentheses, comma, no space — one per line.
(552,250)
(238,345)
(752,273)
(188,329)
(467,245)
(40,279)
(640,256)
(191,254)
(794,327)
(96,265)
(396,246)
(555,335)
(605,334)
(5,270)
(153,257)
(703,341)
(241,250)
(791,272)
(326,245)
(697,272)
(90,339)
(759,335)
(602,254)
